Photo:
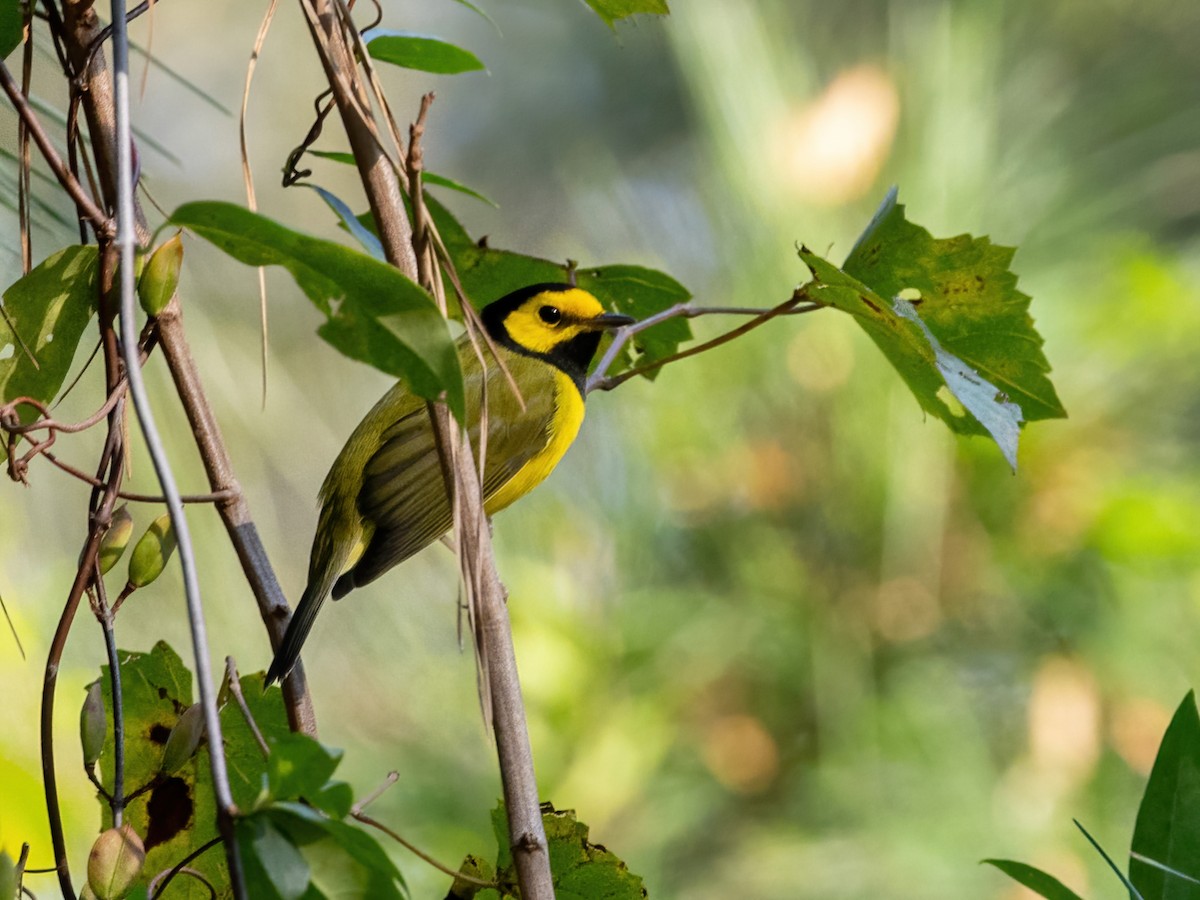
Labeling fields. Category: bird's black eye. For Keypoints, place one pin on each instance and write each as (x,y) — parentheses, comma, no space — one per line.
(551,315)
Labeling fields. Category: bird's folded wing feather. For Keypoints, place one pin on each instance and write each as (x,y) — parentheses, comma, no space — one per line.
(403,491)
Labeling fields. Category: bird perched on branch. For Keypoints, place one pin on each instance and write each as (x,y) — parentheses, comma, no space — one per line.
(385,498)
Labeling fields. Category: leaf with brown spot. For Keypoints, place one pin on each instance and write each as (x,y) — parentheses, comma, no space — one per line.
(178,814)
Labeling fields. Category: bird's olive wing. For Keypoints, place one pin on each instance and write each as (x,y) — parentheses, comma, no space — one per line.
(403,493)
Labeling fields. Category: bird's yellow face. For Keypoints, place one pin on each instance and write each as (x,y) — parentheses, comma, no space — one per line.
(553,318)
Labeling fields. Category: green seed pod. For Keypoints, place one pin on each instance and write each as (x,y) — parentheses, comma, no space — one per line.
(93,725)
(183,739)
(8,877)
(116,539)
(160,277)
(115,862)
(86,892)
(153,550)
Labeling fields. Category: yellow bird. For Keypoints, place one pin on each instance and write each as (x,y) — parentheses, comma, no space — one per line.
(384,498)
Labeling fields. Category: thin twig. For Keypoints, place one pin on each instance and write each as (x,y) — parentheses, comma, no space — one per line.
(24,163)
(111,460)
(235,688)
(117,799)
(214,497)
(126,243)
(392,778)
(417,851)
(248,174)
(600,382)
(154,892)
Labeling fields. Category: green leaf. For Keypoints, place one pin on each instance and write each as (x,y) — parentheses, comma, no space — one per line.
(334,799)
(275,867)
(299,766)
(178,814)
(641,292)
(42,318)
(580,869)
(365,236)
(8,876)
(1116,870)
(354,291)
(479,11)
(970,353)
(964,304)
(443,181)
(1168,820)
(612,10)
(428,177)
(346,861)
(416,51)
(1035,879)
(338,156)
(12,30)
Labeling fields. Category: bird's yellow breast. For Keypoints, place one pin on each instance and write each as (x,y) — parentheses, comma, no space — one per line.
(564,426)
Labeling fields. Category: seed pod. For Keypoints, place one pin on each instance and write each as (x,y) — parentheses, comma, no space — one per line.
(160,277)
(116,539)
(86,892)
(153,550)
(183,739)
(93,725)
(115,862)
(8,877)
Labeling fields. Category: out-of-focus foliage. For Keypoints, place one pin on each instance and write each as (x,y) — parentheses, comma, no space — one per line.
(769,620)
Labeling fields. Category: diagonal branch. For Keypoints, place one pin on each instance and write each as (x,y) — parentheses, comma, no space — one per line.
(88,209)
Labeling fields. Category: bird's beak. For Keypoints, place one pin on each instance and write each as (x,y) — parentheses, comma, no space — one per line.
(610,321)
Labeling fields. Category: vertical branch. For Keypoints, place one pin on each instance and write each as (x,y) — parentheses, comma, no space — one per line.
(126,242)
(494,636)
(117,801)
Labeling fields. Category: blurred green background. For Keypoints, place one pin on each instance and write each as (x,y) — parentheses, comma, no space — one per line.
(780,636)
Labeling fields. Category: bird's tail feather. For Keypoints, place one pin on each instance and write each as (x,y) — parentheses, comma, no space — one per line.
(298,628)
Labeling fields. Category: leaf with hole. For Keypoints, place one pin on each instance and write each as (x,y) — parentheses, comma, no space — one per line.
(948,316)
(176,813)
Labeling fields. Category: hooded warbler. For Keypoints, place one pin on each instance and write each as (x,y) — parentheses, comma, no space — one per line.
(384,498)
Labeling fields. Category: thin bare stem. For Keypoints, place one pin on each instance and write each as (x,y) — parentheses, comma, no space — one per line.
(126,242)
(601,382)
(248,174)
(111,460)
(392,778)
(23,155)
(156,887)
(117,799)
(235,688)
(417,851)
(215,497)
